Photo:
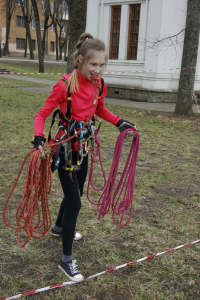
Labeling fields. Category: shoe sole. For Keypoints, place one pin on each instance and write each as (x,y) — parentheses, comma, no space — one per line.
(58,235)
(71,278)
(77,239)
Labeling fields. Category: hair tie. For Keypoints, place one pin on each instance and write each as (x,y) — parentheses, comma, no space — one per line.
(88,37)
(76,67)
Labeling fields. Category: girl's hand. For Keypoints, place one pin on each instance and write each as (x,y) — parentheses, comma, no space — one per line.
(123,125)
(38,143)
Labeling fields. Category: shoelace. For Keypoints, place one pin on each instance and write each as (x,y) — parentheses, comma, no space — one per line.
(73,267)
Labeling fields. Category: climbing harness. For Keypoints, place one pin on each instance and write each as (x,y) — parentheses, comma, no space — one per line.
(67,128)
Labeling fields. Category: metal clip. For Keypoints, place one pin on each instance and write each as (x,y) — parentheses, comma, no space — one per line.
(56,165)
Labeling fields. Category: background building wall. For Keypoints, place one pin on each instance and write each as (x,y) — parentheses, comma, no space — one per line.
(20,32)
(159,19)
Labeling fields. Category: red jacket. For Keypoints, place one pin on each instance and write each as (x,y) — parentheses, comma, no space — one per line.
(81,103)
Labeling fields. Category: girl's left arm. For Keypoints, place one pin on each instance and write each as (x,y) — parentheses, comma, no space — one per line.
(107,115)
(103,112)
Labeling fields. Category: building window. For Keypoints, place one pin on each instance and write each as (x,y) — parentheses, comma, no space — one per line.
(33,23)
(20,21)
(42,25)
(33,44)
(52,7)
(23,2)
(43,4)
(51,46)
(52,27)
(20,44)
(134,21)
(63,11)
(115,32)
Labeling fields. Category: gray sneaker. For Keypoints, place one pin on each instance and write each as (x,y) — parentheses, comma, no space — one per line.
(70,270)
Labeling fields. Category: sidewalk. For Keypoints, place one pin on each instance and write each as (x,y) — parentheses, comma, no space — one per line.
(5,58)
(164,107)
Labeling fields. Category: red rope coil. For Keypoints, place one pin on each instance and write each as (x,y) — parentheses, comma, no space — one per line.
(33,214)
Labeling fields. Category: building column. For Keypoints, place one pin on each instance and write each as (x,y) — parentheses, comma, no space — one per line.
(123,40)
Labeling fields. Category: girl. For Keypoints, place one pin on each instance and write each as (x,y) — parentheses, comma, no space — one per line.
(84,84)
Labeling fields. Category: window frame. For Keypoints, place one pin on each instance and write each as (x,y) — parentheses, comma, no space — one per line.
(129,57)
(19,40)
(33,44)
(52,27)
(111,33)
(52,7)
(33,25)
(42,24)
(43,4)
(20,21)
(52,44)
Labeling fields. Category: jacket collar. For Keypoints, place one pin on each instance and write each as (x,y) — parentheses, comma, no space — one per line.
(82,78)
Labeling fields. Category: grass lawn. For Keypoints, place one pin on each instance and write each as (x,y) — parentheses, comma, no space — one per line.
(165,213)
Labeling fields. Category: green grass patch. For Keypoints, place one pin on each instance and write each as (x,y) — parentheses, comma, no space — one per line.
(165,213)
(32,67)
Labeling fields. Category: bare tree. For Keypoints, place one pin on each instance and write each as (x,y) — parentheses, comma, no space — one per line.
(39,39)
(62,17)
(50,12)
(77,24)
(46,19)
(189,58)
(10,7)
(53,12)
(27,15)
(160,43)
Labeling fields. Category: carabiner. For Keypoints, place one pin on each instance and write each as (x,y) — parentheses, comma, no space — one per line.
(81,133)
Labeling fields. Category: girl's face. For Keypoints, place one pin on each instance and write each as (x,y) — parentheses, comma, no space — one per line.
(95,65)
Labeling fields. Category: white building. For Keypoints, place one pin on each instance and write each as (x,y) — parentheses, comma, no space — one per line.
(129,29)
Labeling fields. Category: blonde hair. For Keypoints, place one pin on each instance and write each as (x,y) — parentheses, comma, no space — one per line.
(85,47)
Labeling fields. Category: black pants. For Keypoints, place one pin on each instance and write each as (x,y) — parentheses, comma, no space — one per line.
(71,203)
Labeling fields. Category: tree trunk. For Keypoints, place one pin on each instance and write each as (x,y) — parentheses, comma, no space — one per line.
(189,59)
(39,39)
(30,43)
(77,24)
(65,47)
(25,50)
(28,32)
(56,35)
(6,49)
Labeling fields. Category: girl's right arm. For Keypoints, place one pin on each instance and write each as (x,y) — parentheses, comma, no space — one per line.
(58,95)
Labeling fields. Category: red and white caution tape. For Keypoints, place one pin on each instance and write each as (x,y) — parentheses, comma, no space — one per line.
(146,71)
(106,72)
(195,98)
(98,274)
(21,73)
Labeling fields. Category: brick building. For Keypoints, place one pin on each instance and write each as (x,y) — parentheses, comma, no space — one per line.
(17,37)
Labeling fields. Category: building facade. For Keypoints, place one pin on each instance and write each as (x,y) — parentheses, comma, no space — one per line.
(136,34)
(17,37)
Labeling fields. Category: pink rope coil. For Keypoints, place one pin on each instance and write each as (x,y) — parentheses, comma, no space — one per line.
(93,159)
(125,186)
